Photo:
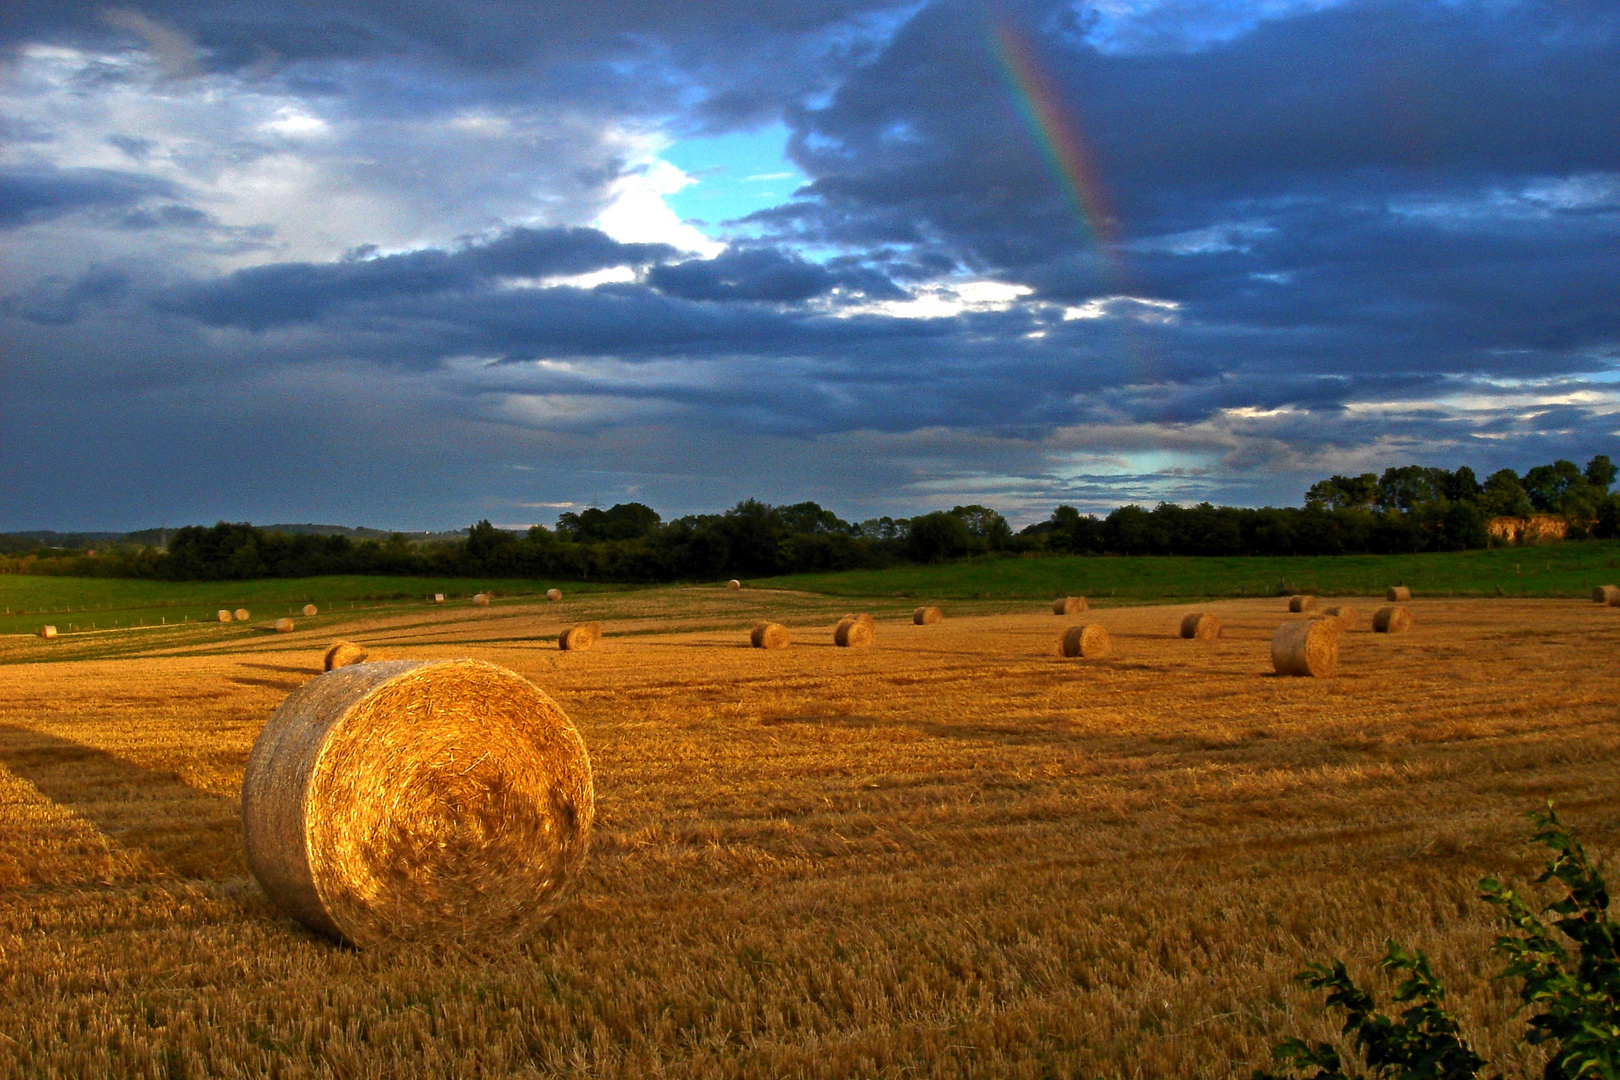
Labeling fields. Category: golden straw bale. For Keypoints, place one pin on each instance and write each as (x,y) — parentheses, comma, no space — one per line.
(344,653)
(734,584)
(1088,641)
(243,614)
(769,635)
(1349,618)
(1201,625)
(1309,647)
(438,598)
(579,637)
(1607,594)
(1070,605)
(224,616)
(927,616)
(1301,603)
(1392,619)
(444,799)
(1398,594)
(47,631)
(283,626)
(855,630)
(481,599)
(553,594)
(311,610)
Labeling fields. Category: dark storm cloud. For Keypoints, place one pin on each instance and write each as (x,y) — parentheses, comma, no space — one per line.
(30,196)
(759,273)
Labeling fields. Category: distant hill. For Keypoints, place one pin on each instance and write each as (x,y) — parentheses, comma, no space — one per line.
(79,541)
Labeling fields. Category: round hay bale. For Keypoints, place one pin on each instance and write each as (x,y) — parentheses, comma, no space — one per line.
(1301,603)
(481,599)
(1606,594)
(1392,619)
(417,799)
(284,626)
(927,616)
(769,635)
(438,598)
(1309,647)
(1349,618)
(855,630)
(1070,605)
(733,584)
(47,631)
(1398,594)
(1201,625)
(1088,641)
(345,653)
(310,610)
(579,637)
(243,614)
(554,594)
(225,616)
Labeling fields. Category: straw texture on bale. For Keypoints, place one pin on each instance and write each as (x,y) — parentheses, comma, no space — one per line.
(224,616)
(553,594)
(1309,648)
(1398,594)
(927,616)
(1349,618)
(243,614)
(1301,603)
(579,637)
(1088,641)
(733,584)
(1201,625)
(284,626)
(481,599)
(855,630)
(438,598)
(1070,605)
(1607,594)
(47,631)
(311,610)
(769,635)
(417,799)
(1392,619)
(344,653)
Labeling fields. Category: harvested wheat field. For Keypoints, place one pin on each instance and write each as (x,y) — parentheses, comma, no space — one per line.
(950,854)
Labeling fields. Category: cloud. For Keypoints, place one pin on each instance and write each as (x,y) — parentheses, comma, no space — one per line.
(33,195)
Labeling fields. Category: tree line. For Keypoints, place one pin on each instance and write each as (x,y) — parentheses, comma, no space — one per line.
(1406,509)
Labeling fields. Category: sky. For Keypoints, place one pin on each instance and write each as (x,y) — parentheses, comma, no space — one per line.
(413,265)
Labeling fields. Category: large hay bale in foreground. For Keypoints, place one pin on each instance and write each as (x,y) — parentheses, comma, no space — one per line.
(927,616)
(47,631)
(769,635)
(577,638)
(284,626)
(854,631)
(1607,594)
(438,598)
(417,799)
(734,584)
(1301,603)
(1070,605)
(554,594)
(1309,647)
(1087,641)
(1398,594)
(243,614)
(225,616)
(343,654)
(1201,625)
(1349,618)
(481,599)
(310,610)
(1392,619)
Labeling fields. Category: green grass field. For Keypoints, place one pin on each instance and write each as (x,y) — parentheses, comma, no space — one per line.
(77,605)
(1569,569)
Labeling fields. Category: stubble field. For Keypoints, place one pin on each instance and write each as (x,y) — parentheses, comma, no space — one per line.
(952,854)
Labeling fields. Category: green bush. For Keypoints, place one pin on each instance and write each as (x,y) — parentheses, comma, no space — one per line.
(1575,996)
